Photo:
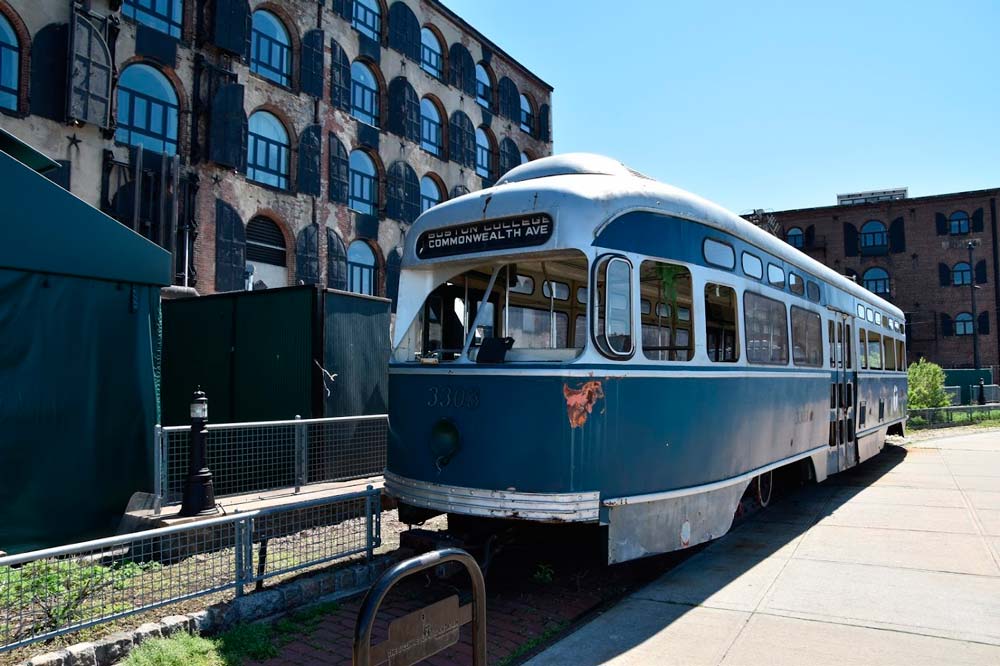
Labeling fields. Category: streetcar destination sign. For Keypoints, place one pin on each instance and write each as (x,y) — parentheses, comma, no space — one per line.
(485,236)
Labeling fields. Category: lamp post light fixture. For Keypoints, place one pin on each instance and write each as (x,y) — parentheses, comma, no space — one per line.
(199,493)
(975,317)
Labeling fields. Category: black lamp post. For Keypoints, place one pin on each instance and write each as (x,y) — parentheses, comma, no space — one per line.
(199,494)
(975,319)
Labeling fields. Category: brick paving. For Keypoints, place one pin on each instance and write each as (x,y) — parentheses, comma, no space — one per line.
(524,609)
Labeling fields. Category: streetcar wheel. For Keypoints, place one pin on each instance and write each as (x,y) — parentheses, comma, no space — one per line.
(763,488)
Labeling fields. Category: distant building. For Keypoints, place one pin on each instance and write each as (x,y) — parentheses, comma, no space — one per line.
(272,142)
(914,253)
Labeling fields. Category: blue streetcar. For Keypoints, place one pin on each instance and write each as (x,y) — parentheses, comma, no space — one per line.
(580,343)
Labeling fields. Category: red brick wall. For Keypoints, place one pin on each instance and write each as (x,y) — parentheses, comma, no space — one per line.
(914,283)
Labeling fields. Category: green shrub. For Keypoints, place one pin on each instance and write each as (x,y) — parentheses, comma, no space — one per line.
(926,386)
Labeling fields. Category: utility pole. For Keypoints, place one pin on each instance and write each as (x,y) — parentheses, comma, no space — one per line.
(975,317)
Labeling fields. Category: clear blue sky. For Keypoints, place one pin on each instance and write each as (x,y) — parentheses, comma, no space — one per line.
(774,105)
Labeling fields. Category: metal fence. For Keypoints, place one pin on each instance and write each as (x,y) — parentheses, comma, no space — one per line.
(954,394)
(268,455)
(959,414)
(991,393)
(50,592)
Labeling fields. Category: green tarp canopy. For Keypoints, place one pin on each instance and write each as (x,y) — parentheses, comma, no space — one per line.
(79,359)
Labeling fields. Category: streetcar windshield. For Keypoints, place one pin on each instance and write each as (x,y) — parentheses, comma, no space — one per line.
(502,312)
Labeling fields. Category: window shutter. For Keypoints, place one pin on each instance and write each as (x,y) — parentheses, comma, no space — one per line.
(88,98)
(947,327)
(228,127)
(307,255)
(336,261)
(462,70)
(944,275)
(462,140)
(311,70)
(510,99)
(941,222)
(310,149)
(411,114)
(403,193)
(544,133)
(981,272)
(340,77)
(345,8)
(395,123)
(231,30)
(510,157)
(984,323)
(404,31)
(48,72)
(394,191)
(230,248)
(977,220)
(339,176)
(897,236)
(393,264)
(809,238)
(850,240)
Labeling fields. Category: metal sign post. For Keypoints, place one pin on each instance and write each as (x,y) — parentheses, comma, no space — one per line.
(425,632)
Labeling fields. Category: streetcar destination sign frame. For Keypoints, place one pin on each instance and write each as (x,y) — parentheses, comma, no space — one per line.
(503,233)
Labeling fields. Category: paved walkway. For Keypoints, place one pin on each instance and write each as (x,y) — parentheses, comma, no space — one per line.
(897,562)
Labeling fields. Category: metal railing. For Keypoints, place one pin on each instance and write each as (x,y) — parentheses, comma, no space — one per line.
(957,414)
(991,393)
(270,455)
(954,394)
(46,593)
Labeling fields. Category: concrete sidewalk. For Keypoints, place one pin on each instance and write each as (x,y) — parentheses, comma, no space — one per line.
(897,562)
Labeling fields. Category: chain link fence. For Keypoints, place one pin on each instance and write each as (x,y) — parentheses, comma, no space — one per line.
(54,591)
(271,455)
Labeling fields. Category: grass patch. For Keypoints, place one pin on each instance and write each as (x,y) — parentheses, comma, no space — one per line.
(246,642)
(180,650)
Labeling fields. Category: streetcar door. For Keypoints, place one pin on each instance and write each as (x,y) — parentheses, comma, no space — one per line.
(842,393)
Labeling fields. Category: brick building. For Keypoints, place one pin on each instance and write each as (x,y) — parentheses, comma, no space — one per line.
(276,141)
(914,252)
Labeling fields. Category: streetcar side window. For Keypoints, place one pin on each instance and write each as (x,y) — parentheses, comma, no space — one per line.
(720,324)
(718,253)
(890,353)
(612,307)
(807,338)
(874,350)
(900,355)
(776,276)
(847,351)
(863,346)
(766,323)
(666,330)
(796,285)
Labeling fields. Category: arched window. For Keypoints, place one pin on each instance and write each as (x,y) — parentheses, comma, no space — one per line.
(430,54)
(361,268)
(10,65)
(430,193)
(484,86)
(270,48)
(484,153)
(959,223)
(961,273)
(794,237)
(431,138)
(266,254)
(364,183)
(368,18)
(167,16)
(876,280)
(527,115)
(873,235)
(267,150)
(364,93)
(147,110)
(963,323)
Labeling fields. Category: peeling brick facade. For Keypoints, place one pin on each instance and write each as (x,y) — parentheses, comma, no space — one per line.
(91,150)
(916,262)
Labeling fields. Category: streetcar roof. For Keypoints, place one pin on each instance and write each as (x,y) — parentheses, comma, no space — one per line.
(587,191)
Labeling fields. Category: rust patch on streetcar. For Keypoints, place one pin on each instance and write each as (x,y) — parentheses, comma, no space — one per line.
(580,401)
